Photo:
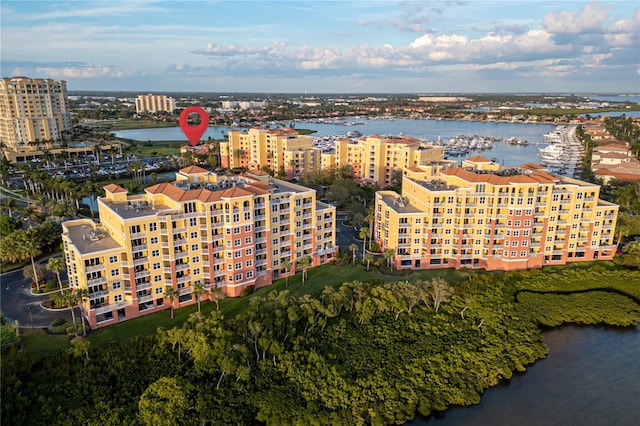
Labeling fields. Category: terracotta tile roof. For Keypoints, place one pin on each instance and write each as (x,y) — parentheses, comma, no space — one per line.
(193,169)
(538,177)
(113,188)
(234,192)
(415,169)
(532,166)
(479,159)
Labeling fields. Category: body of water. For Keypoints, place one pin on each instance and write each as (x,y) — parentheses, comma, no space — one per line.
(170,134)
(591,377)
(510,155)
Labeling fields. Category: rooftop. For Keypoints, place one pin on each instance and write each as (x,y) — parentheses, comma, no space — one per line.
(397,203)
(89,239)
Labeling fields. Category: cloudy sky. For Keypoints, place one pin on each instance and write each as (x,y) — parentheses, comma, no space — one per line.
(326,46)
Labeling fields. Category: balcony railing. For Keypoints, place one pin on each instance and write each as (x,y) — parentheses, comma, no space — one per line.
(98,294)
(143,286)
(95,268)
(184,279)
(97,281)
(140,261)
(111,307)
(145,299)
(186,290)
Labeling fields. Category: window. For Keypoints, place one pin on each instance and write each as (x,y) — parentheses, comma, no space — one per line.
(238,277)
(193,221)
(274,241)
(153,240)
(236,230)
(518,212)
(514,253)
(228,231)
(523,253)
(506,243)
(195,259)
(157,278)
(238,265)
(514,244)
(237,253)
(113,259)
(274,219)
(115,272)
(247,240)
(117,298)
(525,243)
(509,222)
(247,215)
(247,228)
(527,222)
(194,235)
(236,242)
(516,223)
(525,233)
(159,290)
(516,233)
(248,252)
(230,277)
(156,265)
(250,273)
(528,212)
(153,226)
(116,285)
(155,253)
(275,252)
(249,263)
(196,271)
(194,247)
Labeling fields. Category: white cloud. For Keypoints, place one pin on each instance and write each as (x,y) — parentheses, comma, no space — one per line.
(589,18)
(89,71)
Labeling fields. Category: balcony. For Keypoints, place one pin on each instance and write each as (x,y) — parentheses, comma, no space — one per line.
(137,235)
(181,254)
(143,286)
(179,242)
(96,281)
(138,248)
(98,294)
(258,206)
(110,307)
(142,274)
(94,268)
(140,261)
(182,267)
(185,279)
(218,249)
(186,290)
(261,251)
(259,217)
(145,299)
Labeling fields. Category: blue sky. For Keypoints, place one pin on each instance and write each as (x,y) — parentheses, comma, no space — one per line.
(326,46)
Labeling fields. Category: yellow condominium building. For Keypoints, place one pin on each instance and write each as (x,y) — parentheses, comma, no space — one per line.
(33,112)
(374,159)
(506,219)
(282,150)
(154,103)
(226,232)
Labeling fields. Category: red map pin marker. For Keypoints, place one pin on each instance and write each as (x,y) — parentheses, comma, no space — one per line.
(194,133)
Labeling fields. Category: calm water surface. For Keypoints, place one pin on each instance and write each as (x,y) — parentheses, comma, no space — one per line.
(510,155)
(591,377)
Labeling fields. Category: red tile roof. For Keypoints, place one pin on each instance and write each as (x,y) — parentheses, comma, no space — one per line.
(113,188)
(193,169)
(479,159)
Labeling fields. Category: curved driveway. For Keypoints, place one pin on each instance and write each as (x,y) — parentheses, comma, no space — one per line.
(16,300)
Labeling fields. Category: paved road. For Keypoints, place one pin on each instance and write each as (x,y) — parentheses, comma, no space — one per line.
(16,301)
(346,235)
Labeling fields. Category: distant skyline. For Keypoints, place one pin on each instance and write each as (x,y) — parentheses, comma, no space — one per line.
(325,46)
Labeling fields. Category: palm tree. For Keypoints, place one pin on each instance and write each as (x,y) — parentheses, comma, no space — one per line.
(56,265)
(171,293)
(388,256)
(69,300)
(198,290)
(364,234)
(286,265)
(29,249)
(304,263)
(353,249)
(81,296)
(368,258)
(216,294)
(9,204)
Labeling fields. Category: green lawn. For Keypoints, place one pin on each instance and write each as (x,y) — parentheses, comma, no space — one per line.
(133,124)
(320,277)
(36,341)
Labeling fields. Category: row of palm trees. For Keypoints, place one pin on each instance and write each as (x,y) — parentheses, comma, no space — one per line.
(214,294)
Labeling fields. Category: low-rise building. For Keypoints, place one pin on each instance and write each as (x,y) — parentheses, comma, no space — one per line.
(226,232)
